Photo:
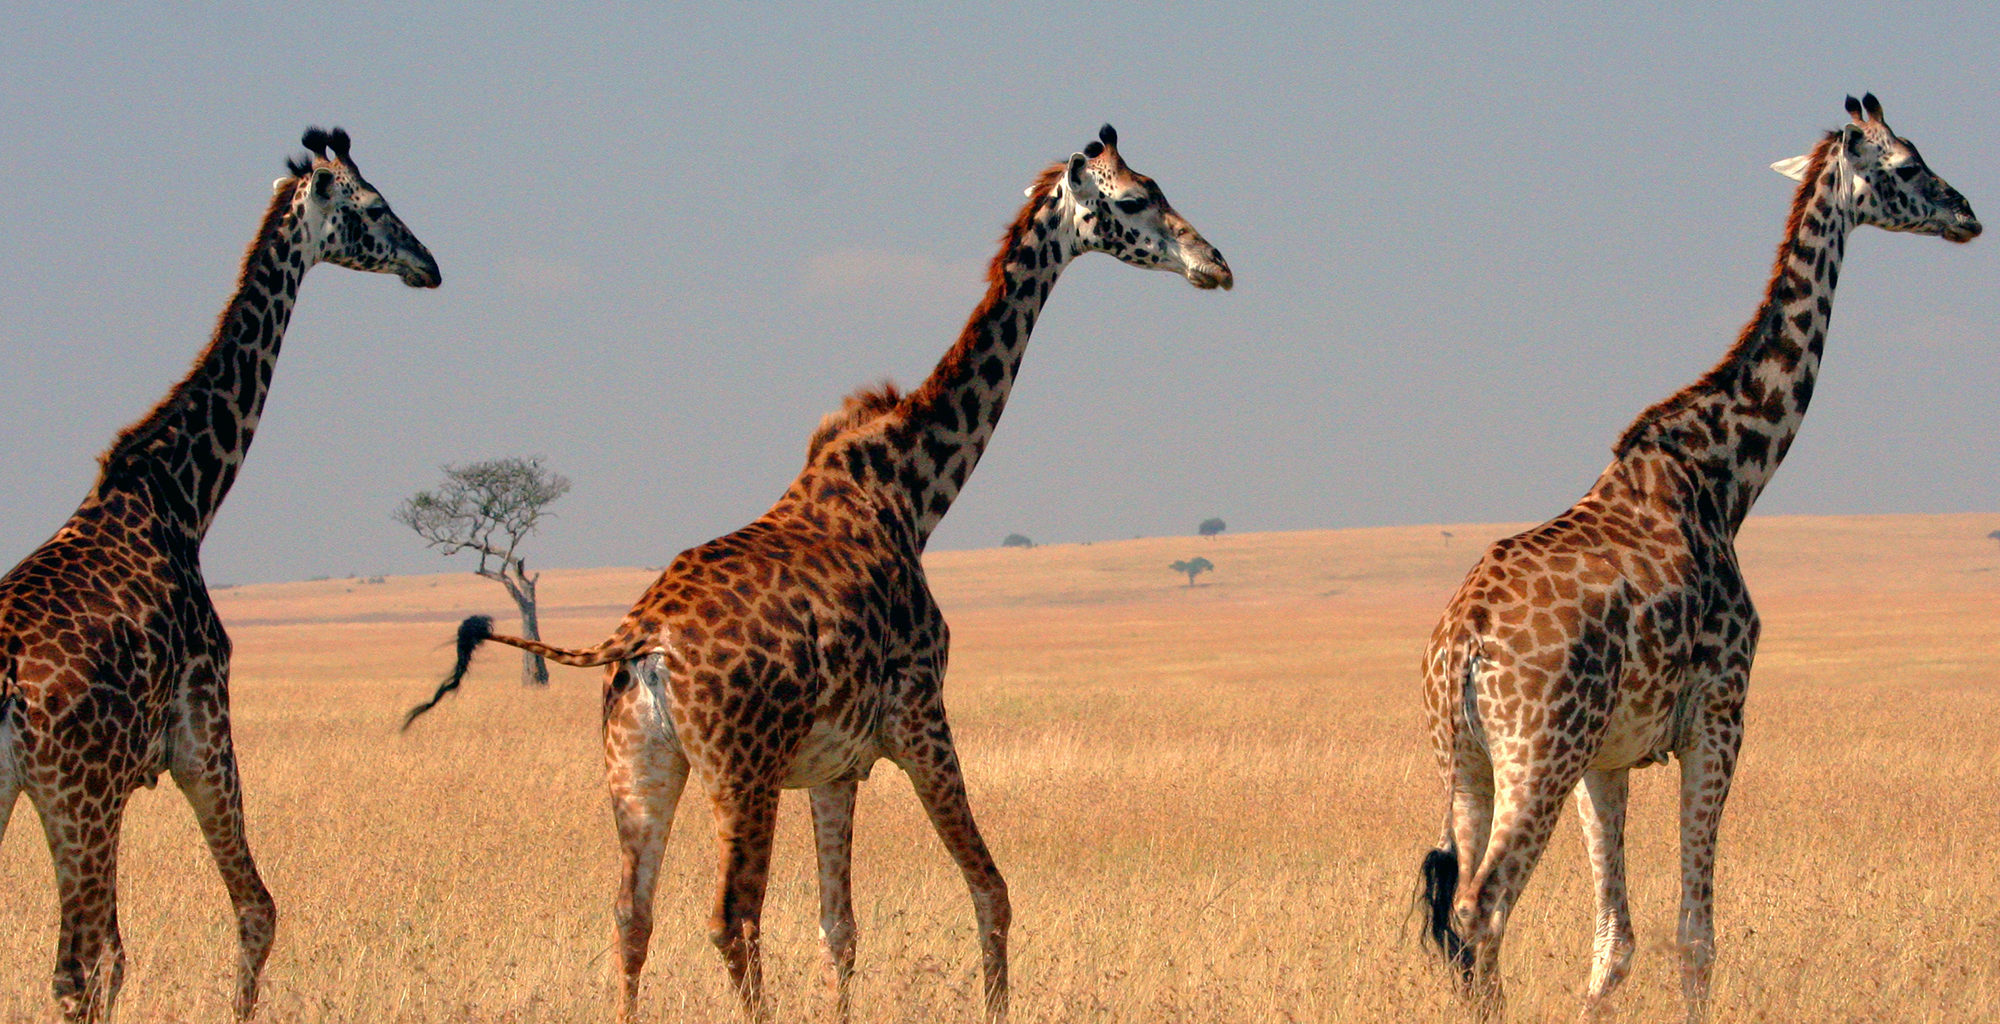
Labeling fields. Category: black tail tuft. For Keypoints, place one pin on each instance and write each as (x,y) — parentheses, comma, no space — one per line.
(471,633)
(1440,873)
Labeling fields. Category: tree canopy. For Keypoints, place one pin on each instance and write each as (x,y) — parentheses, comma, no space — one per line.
(1192,567)
(487,507)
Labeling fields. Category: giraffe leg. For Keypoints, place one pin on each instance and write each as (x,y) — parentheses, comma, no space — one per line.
(1601,804)
(746,819)
(833,827)
(1467,828)
(214,790)
(643,804)
(1524,814)
(11,781)
(940,787)
(82,833)
(1706,770)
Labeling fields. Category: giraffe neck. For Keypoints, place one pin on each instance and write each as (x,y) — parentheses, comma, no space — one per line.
(949,419)
(186,452)
(1733,426)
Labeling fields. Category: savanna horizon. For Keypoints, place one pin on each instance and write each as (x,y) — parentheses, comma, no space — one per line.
(1209,803)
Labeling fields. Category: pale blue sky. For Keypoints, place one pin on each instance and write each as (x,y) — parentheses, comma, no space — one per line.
(1469,246)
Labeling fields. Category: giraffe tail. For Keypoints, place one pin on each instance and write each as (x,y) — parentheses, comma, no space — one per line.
(478,629)
(1440,880)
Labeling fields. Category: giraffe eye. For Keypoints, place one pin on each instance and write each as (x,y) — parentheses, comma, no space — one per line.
(1133,205)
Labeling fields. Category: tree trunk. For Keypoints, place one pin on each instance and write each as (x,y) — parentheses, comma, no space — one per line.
(534,669)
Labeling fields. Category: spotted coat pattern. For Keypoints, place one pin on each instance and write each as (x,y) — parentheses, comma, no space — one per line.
(1620,632)
(798,650)
(113,666)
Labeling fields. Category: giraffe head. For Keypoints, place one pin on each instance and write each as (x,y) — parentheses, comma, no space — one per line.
(347,220)
(1890,185)
(1119,211)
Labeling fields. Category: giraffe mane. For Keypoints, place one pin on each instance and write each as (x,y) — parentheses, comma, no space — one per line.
(1720,376)
(134,438)
(864,405)
(1039,193)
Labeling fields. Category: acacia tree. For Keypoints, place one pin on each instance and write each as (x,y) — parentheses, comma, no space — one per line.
(1211,526)
(489,508)
(1192,567)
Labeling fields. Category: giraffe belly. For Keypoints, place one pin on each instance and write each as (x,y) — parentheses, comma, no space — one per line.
(1639,733)
(832,753)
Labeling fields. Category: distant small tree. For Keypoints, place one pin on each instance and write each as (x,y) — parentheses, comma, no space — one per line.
(1016,540)
(1995,535)
(489,508)
(1211,526)
(1192,567)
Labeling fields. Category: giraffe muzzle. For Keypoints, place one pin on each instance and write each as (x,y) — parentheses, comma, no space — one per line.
(419,270)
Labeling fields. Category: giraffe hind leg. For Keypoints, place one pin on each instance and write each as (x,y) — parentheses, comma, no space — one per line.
(1468,823)
(11,779)
(1439,873)
(746,819)
(1525,811)
(643,804)
(82,833)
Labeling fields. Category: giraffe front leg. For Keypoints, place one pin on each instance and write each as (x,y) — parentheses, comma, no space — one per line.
(210,782)
(940,786)
(1706,770)
(82,832)
(1600,801)
(833,828)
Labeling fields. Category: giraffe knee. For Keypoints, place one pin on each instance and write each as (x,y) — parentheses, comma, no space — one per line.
(634,918)
(995,907)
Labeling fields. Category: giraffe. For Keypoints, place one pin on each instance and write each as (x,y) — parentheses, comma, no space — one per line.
(797,651)
(1620,632)
(113,665)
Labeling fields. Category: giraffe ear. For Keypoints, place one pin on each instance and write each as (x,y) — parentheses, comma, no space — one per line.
(1793,167)
(1075,180)
(322,184)
(278,185)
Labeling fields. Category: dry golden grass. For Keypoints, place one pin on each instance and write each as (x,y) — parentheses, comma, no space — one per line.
(1209,803)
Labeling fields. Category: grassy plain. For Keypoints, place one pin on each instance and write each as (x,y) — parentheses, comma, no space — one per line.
(1209,803)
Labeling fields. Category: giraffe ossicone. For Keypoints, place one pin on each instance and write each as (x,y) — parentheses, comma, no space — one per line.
(1620,633)
(799,650)
(113,666)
